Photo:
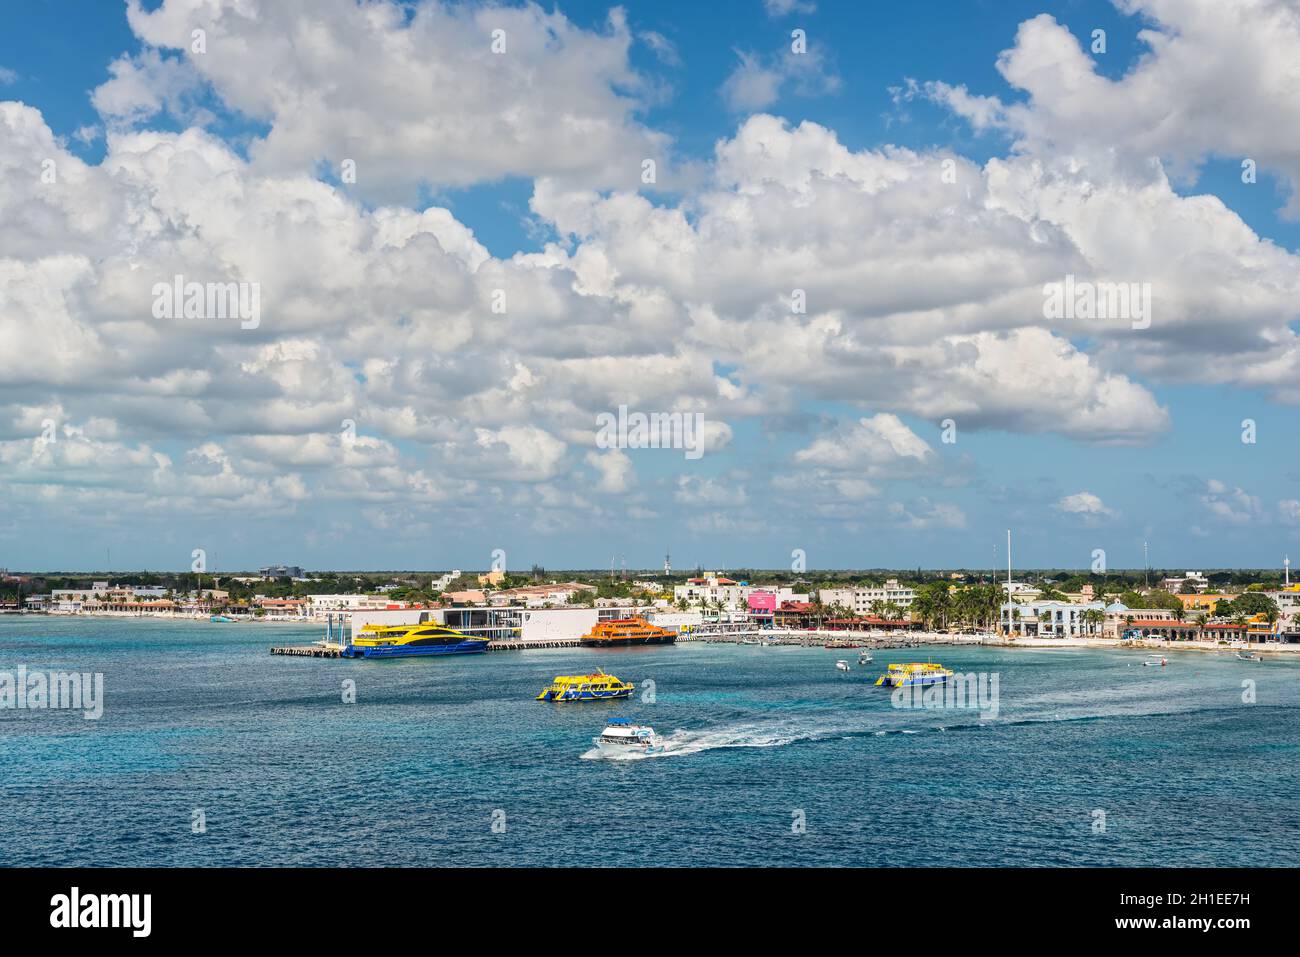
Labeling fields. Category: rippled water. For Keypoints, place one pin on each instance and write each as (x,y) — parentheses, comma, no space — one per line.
(199,716)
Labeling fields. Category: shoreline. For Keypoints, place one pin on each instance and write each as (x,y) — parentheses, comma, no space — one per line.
(836,640)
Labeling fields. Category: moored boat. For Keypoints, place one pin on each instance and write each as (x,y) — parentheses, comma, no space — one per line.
(842,665)
(220,619)
(914,673)
(618,632)
(621,736)
(422,639)
(1156,661)
(593,687)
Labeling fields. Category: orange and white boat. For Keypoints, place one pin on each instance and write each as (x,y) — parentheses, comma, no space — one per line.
(627,631)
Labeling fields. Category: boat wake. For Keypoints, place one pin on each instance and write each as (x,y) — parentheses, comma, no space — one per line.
(1099,705)
(740,736)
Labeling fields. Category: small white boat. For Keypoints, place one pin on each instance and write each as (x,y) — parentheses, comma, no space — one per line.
(864,658)
(621,736)
(842,665)
(1248,656)
(1156,661)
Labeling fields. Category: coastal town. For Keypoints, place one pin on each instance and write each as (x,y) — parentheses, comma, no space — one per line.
(536,608)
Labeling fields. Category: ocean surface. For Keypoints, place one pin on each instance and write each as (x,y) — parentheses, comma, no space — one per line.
(774,758)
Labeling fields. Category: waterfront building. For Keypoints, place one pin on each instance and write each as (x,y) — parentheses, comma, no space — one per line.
(1120,617)
(796,614)
(1049,619)
(712,590)
(860,599)
(1155,627)
(283,609)
(328,603)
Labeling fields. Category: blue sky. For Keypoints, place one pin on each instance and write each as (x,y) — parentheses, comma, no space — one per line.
(1188,484)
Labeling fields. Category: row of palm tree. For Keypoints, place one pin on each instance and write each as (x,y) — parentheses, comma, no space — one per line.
(940,606)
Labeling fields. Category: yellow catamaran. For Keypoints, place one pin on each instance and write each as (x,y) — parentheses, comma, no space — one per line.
(914,673)
(593,687)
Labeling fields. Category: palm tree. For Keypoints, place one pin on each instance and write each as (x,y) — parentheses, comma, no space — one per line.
(1092,618)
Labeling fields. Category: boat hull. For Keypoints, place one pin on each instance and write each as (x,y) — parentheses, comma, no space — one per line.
(626,642)
(617,749)
(914,681)
(586,695)
(415,651)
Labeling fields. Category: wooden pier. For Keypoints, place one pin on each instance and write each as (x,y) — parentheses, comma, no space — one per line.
(307,651)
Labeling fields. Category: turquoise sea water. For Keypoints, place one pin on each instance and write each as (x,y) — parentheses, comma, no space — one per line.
(199,716)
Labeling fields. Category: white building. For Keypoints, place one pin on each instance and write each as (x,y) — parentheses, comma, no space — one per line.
(859,600)
(712,589)
(1020,588)
(1050,619)
(1175,585)
(328,603)
(441,583)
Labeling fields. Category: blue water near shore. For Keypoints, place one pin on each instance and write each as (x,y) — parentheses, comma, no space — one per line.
(199,716)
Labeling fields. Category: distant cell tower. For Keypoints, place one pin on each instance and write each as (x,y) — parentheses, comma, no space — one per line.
(668,563)
(1286,564)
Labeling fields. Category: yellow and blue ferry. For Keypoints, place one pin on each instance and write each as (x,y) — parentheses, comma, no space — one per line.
(401,641)
(914,673)
(593,687)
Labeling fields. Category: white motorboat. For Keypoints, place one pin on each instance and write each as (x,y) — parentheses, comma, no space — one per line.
(842,665)
(621,736)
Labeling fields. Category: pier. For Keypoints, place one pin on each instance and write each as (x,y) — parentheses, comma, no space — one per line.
(527,645)
(308,651)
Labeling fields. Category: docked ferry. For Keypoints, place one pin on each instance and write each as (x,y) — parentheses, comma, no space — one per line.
(621,736)
(424,638)
(914,673)
(627,631)
(593,687)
